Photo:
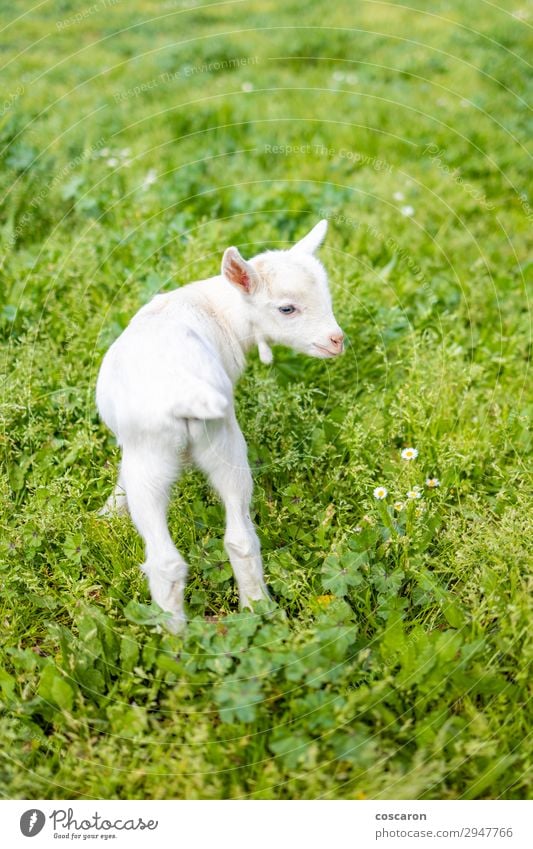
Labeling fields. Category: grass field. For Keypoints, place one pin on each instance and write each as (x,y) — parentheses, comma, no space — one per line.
(137,142)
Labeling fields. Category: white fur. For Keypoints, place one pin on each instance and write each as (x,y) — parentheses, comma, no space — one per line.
(165,389)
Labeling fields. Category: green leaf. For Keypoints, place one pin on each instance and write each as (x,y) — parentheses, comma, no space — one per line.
(237,699)
(489,776)
(89,636)
(453,613)
(291,748)
(129,653)
(340,573)
(127,720)
(75,547)
(54,688)
(393,640)
(145,614)
(7,684)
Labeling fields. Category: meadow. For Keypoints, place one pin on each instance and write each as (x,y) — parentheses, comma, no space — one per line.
(137,141)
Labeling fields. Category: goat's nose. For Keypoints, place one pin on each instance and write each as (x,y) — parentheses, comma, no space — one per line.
(337,339)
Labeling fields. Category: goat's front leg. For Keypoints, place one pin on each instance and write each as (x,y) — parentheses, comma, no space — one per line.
(220,451)
(148,471)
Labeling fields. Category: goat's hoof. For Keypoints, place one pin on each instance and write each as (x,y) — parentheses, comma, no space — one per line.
(111,510)
(260,602)
(176,623)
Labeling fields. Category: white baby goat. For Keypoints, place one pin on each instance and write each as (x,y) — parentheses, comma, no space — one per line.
(165,389)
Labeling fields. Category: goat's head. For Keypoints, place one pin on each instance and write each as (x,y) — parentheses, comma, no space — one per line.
(287,297)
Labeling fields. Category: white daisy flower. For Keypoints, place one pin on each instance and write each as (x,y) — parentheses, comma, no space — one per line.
(380,493)
(409,454)
(358,529)
(432,482)
(413,493)
(407,211)
(399,196)
(398,505)
(247,87)
(112,162)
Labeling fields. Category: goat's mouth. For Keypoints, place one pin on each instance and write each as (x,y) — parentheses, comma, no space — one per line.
(325,353)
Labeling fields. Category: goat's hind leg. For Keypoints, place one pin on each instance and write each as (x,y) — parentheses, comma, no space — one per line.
(149,468)
(220,451)
(117,503)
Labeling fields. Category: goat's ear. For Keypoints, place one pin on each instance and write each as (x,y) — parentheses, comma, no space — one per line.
(238,271)
(310,243)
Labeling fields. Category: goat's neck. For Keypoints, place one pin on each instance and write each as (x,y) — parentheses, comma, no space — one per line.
(234,329)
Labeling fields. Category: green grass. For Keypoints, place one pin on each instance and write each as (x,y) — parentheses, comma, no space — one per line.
(397,662)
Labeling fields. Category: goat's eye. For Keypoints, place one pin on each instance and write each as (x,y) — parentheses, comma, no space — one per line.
(287,310)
